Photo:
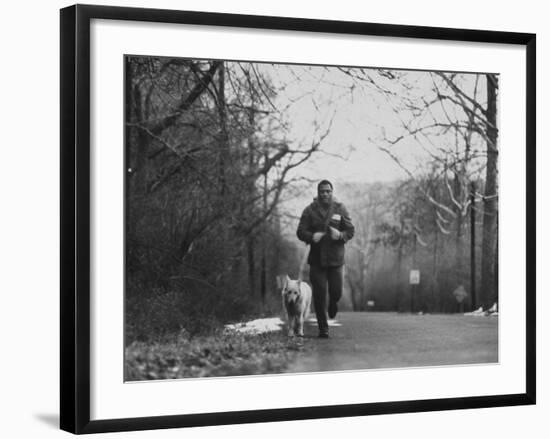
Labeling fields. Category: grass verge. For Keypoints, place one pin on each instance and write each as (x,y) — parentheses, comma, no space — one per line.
(226,353)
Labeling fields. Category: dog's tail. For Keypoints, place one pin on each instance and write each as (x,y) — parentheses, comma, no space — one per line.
(302,265)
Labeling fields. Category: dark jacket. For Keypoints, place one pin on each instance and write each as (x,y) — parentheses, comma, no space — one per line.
(327,252)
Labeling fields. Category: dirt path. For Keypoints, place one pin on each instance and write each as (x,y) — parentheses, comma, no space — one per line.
(389,340)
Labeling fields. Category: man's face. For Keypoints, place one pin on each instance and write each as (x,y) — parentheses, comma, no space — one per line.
(325,194)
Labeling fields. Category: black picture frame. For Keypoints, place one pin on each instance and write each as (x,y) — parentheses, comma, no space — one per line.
(75,217)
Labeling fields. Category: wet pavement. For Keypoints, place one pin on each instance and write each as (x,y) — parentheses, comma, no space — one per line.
(365,340)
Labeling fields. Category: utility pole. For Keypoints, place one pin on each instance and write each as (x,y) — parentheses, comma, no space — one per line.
(473,244)
(263,272)
(413,286)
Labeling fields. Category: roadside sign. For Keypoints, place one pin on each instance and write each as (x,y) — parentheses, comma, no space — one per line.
(414,277)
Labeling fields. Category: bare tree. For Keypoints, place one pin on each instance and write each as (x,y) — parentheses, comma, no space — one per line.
(209,159)
(489,261)
(453,123)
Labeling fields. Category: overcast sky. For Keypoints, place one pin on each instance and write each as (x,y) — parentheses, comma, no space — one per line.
(359,116)
(324,97)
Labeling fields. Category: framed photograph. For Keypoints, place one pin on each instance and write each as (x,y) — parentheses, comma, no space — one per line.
(275,218)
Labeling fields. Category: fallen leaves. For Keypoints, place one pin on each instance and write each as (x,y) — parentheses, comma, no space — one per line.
(222,354)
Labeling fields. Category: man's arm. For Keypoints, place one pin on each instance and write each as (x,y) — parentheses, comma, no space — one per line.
(304,232)
(347,226)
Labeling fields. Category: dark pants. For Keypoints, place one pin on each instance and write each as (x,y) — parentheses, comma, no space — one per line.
(321,278)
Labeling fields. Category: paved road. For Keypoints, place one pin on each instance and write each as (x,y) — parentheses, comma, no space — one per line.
(390,340)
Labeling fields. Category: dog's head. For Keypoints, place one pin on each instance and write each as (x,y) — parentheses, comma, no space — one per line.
(291,290)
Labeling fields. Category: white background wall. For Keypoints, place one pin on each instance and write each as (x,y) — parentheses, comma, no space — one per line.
(29,249)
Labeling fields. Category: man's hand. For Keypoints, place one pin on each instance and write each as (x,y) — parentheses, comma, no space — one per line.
(317,236)
(335,234)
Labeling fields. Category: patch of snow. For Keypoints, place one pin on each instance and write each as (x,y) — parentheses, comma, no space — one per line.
(493,311)
(257,326)
(260,326)
(477,312)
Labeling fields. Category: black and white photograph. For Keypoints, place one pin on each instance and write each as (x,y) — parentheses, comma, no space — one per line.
(299,218)
(275,219)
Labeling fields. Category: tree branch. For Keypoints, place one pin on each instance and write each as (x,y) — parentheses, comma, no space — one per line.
(186,103)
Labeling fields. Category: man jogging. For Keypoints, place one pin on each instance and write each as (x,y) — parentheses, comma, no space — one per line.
(326,225)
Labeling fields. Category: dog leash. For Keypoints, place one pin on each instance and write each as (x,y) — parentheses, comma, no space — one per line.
(302,264)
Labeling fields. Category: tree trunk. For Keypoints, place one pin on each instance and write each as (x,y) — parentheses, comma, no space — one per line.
(362,281)
(224,138)
(457,188)
(247,212)
(353,294)
(488,293)
(399,289)
(263,282)
(140,163)
(435,301)
(251,265)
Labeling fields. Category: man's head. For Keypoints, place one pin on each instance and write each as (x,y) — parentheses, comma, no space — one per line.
(324,192)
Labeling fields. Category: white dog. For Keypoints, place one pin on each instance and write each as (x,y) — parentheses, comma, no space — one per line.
(297,302)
